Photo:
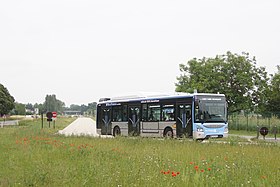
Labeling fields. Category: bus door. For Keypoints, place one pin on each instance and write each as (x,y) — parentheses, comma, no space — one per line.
(106,121)
(134,120)
(183,120)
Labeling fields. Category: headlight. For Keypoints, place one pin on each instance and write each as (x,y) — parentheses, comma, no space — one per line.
(199,129)
(226,129)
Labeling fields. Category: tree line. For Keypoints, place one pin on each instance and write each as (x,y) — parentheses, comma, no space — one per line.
(51,103)
(246,86)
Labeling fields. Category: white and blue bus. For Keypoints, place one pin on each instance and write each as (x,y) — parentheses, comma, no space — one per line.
(198,116)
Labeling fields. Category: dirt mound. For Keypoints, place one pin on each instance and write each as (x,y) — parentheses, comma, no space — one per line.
(80,127)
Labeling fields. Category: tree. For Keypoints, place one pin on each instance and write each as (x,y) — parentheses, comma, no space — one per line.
(39,106)
(273,103)
(75,107)
(52,104)
(19,109)
(91,108)
(6,101)
(29,106)
(234,75)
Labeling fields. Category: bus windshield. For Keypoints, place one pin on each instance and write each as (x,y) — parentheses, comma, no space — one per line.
(210,111)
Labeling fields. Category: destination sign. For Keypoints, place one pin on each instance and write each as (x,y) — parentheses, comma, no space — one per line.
(150,101)
(113,104)
(211,99)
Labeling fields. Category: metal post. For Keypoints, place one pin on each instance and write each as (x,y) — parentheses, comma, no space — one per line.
(275,132)
(258,132)
(42,120)
(247,121)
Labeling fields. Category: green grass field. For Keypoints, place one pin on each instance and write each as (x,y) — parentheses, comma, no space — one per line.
(31,156)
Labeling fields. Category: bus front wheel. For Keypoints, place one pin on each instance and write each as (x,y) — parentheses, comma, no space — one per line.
(116,131)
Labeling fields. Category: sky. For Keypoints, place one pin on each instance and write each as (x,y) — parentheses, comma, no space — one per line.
(83,50)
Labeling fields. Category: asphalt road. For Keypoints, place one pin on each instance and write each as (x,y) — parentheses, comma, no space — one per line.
(7,123)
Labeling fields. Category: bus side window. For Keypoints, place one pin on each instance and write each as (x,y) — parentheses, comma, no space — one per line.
(117,113)
(144,112)
(168,113)
(124,113)
(154,112)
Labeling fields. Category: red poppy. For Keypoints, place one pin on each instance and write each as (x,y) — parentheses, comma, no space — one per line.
(209,169)
(174,174)
(202,170)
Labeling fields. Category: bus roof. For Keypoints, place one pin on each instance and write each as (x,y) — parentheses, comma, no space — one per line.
(140,97)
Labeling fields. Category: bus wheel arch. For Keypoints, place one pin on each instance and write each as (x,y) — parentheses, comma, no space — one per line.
(168,132)
(116,131)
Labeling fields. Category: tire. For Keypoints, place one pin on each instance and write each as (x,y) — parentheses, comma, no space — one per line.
(168,133)
(116,131)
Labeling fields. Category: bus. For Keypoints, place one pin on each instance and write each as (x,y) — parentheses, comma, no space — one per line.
(197,116)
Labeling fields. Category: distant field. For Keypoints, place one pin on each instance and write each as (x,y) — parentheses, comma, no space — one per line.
(31,156)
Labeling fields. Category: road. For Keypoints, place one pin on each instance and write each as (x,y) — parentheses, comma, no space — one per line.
(10,122)
(250,138)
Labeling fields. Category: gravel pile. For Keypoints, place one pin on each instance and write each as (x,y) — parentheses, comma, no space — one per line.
(80,127)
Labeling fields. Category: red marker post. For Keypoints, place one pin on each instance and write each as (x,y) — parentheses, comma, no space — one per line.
(54,115)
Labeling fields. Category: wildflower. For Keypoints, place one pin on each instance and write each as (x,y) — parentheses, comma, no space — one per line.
(191,163)
(174,174)
(209,169)
(202,170)
(196,168)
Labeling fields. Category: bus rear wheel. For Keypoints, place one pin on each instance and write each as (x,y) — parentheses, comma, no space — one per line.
(116,131)
(168,133)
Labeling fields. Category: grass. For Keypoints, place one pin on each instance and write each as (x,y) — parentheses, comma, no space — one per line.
(31,156)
